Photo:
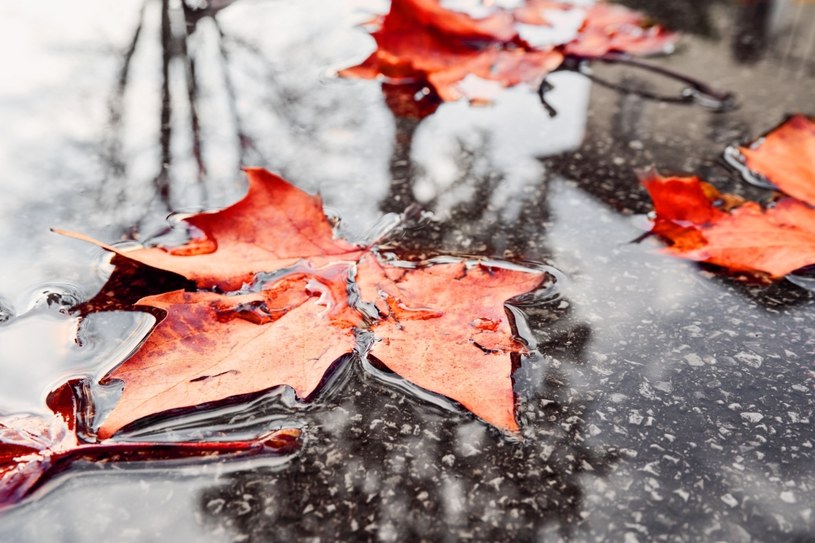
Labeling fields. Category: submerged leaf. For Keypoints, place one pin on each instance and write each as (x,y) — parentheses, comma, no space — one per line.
(33,449)
(27,444)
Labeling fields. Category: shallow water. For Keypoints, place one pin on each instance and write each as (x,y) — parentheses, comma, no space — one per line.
(665,401)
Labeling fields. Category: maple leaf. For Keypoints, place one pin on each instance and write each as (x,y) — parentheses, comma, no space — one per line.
(440,325)
(617,29)
(207,347)
(274,229)
(35,448)
(444,328)
(774,241)
(420,42)
(786,157)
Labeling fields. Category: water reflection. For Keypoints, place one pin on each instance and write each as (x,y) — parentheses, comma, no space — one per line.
(220,100)
(45,344)
(477,168)
(752,30)
(789,34)
(688,16)
(666,399)
(91,506)
(383,465)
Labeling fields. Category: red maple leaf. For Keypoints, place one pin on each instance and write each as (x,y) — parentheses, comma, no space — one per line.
(702,224)
(786,158)
(440,325)
(277,227)
(774,241)
(35,448)
(421,43)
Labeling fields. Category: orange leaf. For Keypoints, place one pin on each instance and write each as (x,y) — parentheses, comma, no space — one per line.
(774,241)
(208,347)
(786,157)
(444,327)
(420,42)
(611,28)
(273,227)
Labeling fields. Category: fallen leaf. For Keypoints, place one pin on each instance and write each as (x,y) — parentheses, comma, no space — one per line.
(33,449)
(786,158)
(207,347)
(616,29)
(442,326)
(275,228)
(419,42)
(774,241)
(411,50)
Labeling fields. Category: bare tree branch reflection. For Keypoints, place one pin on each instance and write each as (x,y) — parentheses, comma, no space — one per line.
(246,143)
(113,149)
(400,196)
(176,31)
(162,181)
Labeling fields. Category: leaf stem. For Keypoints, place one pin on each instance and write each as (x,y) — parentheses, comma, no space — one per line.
(280,441)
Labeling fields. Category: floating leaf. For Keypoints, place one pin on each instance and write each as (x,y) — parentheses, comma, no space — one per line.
(35,448)
(442,326)
(786,158)
(773,241)
(419,42)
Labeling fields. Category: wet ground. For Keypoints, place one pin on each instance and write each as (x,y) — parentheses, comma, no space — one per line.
(666,401)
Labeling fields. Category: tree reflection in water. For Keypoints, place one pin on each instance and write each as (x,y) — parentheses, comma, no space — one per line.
(178,149)
(377,460)
(195,99)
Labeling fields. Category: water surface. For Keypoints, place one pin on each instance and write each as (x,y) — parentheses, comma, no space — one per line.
(666,401)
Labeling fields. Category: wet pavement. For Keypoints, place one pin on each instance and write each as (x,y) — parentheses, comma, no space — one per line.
(665,401)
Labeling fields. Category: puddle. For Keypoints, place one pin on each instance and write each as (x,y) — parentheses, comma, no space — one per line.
(658,398)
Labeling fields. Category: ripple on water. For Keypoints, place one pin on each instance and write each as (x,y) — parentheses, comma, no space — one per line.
(48,343)
(6,311)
